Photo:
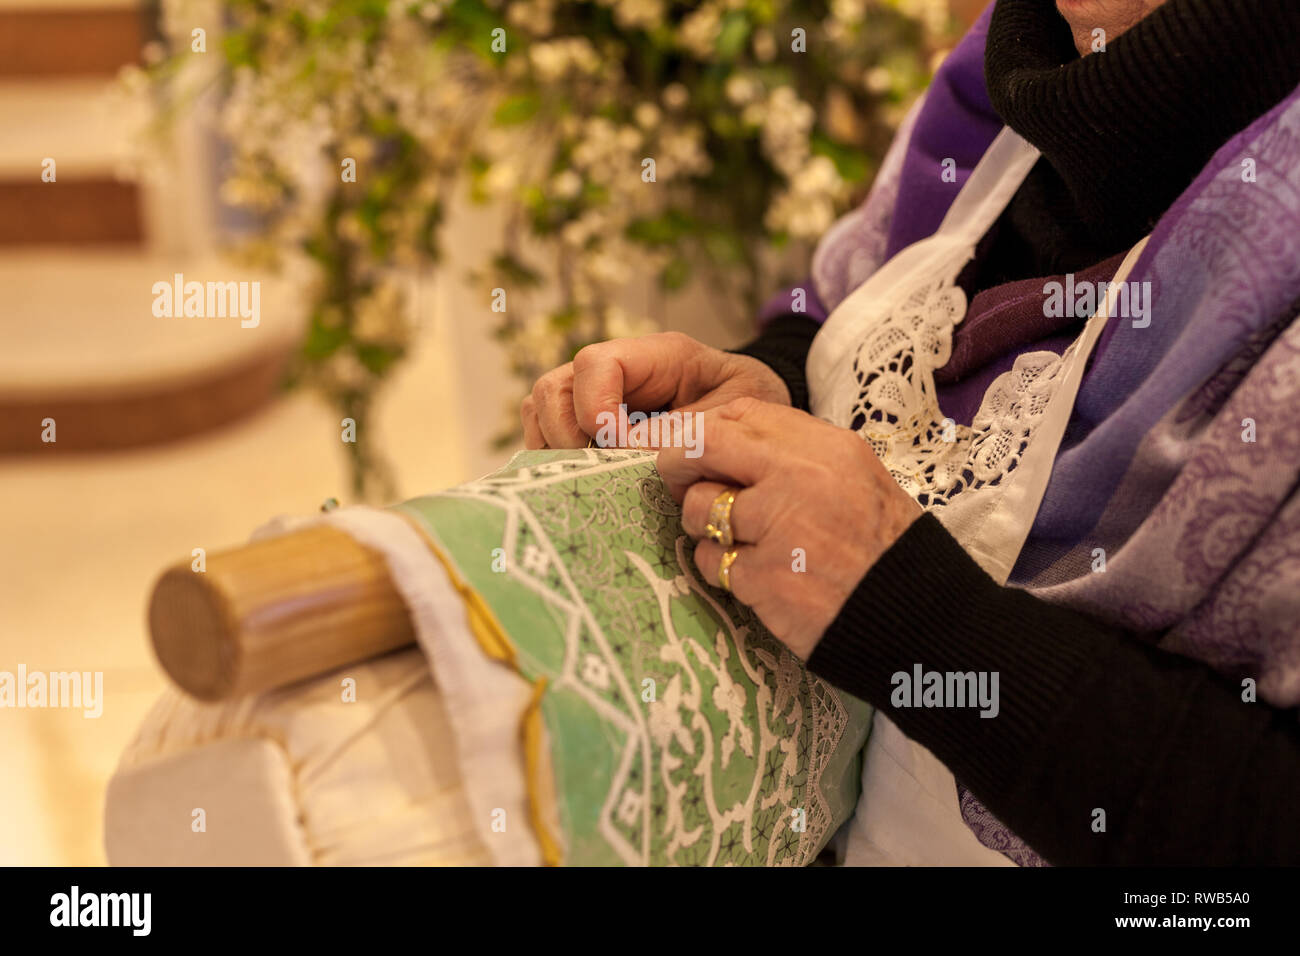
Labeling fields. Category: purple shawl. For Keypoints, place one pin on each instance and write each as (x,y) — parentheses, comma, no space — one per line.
(1182,459)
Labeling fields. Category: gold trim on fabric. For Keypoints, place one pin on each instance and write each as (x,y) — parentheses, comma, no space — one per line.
(483,623)
(495,643)
(537,773)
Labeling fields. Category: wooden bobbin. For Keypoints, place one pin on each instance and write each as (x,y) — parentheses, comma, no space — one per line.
(274,612)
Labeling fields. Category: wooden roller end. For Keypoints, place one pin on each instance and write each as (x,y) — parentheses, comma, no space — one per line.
(274,612)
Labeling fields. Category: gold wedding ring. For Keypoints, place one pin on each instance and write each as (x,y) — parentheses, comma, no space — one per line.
(724,569)
(719,527)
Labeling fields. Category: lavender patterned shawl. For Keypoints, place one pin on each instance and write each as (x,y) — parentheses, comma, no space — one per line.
(1200,527)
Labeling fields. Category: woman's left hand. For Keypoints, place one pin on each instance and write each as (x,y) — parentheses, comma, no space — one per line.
(814,510)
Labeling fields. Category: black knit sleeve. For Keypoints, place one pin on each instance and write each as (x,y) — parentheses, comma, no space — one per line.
(783,345)
(1088,718)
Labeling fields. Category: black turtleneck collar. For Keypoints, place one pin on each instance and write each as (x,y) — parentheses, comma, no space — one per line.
(1127,130)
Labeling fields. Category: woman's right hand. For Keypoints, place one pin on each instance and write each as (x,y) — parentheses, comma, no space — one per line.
(667,370)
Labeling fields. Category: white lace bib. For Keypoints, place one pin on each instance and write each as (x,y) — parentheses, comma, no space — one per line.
(871,368)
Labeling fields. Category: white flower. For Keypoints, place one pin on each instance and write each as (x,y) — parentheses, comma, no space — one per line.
(681,153)
(802,217)
(534,16)
(566,184)
(345,372)
(603,268)
(933,14)
(646,115)
(849,11)
(501,178)
(555,58)
(550,60)
(676,96)
(742,89)
(699,31)
(818,175)
(638,14)
(629,137)
(786,126)
(877,80)
(807,208)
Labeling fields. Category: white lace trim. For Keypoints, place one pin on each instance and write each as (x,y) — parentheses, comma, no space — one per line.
(897,409)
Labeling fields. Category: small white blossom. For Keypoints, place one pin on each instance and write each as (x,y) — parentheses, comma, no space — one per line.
(742,89)
(877,80)
(699,31)
(639,14)
(566,184)
(675,96)
(646,115)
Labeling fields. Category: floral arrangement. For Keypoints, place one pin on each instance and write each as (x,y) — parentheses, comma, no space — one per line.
(691,142)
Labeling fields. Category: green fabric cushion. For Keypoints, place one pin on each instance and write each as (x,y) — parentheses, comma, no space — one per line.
(681,731)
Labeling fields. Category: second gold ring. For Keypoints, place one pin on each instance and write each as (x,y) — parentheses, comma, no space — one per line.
(724,569)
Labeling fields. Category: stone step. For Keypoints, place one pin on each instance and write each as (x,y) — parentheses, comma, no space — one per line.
(79,343)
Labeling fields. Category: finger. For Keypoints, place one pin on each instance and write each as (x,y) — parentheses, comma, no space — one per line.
(708,559)
(532,429)
(645,374)
(553,398)
(746,524)
(725,450)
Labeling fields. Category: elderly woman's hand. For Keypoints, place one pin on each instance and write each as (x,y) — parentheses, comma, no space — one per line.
(814,510)
(665,370)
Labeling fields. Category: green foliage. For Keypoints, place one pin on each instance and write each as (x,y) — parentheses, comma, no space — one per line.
(555,131)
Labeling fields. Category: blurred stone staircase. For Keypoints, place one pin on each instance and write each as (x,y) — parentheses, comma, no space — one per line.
(54,63)
(79,255)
